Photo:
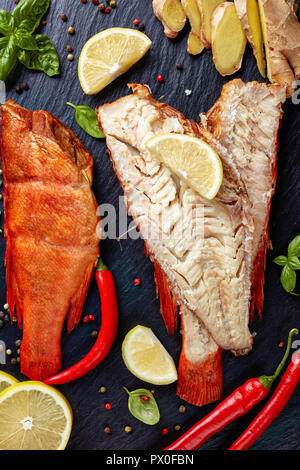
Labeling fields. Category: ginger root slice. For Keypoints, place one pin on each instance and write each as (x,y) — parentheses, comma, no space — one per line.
(281,33)
(248,13)
(228,39)
(171,14)
(195,43)
(206,8)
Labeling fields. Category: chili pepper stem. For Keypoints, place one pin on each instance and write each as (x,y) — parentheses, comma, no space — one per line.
(101,266)
(267,381)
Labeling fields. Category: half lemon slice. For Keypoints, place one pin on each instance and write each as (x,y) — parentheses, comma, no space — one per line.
(109,54)
(34,416)
(191,159)
(6,380)
(146,358)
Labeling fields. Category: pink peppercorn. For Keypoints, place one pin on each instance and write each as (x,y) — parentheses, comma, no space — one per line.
(91,318)
(107,10)
(86,319)
(160,78)
(136,22)
(137,281)
(108,406)
(165,431)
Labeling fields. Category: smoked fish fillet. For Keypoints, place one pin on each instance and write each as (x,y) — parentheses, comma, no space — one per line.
(246,119)
(50,231)
(210,282)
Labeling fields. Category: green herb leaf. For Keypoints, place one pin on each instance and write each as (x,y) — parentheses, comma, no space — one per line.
(8,56)
(87,120)
(294,262)
(280,260)
(145,411)
(28,14)
(294,247)
(288,279)
(25,40)
(6,23)
(44,59)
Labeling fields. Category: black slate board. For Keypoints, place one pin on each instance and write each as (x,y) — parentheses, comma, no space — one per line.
(138,305)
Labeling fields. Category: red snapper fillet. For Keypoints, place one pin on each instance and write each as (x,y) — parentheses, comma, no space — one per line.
(209,278)
(50,231)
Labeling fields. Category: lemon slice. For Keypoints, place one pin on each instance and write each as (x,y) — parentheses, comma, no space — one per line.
(6,380)
(191,159)
(109,54)
(146,358)
(34,416)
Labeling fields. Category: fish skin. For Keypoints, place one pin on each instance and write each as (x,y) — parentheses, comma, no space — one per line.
(50,231)
(246,119)
(150,187)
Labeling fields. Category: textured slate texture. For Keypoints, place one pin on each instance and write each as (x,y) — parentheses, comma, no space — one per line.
(138,305)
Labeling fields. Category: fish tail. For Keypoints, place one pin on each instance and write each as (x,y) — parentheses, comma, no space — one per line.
(168,303)
(200,376)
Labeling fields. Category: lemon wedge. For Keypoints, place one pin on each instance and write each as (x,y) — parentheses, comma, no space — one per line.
(109,54)
(191,159)
(6,380)
(34,416)
(146,358)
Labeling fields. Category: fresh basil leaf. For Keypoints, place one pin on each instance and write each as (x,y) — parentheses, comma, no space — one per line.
(288,279)
(294,247)
(294,262)
(145,411)
(87,120)
(28,14)
(8,56)
(44,59)
(25,40)
(280,260)
(6,23)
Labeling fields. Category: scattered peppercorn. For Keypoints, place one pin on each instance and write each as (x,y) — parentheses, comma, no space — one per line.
(164,431)
(43,22)
(94,334)
(18,352)
(281,344)
(6,306)
(147,398)
(13,361)
(136,22)
(179,66)
(107,10)
(113,3)
(25,86)
(1,323)
(0,197)
(14,319)
(101,7)
(2,315)
(137,281)
(107,430)
(107,406)
(64,17)
(177,427)
(18,359)
(141,27)
(83,1)
(85,319)
(71,30)
(18,90)
(18,343)
(160,78)
(91,318)
(1,171)
(152,391)
(128,429)
(95,2)
(69,48)
(16,1)
(70,57)
(182,409)
(9,352)
(102,389)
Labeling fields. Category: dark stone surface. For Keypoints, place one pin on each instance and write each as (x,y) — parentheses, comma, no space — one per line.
(138,305)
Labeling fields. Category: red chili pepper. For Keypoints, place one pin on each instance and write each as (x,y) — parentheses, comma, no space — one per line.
(242,400)
(107,334)
(271,410)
